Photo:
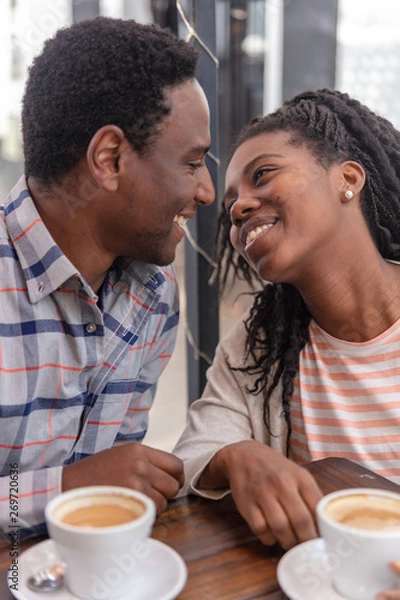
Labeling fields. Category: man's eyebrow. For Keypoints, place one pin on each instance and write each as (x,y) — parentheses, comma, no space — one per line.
(249,165)
(199,150)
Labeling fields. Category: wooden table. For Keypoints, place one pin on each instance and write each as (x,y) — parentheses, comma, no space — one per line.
(225,561)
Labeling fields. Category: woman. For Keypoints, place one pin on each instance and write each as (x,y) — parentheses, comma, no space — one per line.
(312,206)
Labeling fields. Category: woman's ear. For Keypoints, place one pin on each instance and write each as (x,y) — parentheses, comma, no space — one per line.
(353,180)
(103,156)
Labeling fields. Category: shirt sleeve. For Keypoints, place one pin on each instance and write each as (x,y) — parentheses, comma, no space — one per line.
(23,497)
(220,417)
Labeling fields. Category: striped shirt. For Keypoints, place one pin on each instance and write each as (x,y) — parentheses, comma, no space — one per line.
(346,401)
(77,372)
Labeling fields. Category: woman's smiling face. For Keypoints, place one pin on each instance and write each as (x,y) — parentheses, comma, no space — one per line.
(284,206)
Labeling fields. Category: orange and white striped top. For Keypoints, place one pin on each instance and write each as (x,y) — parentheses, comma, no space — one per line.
(347,401)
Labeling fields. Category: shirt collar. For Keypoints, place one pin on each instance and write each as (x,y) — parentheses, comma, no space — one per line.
(149,275)
(45,267)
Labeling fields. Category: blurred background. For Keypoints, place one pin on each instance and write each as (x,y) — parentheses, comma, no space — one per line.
(254,55)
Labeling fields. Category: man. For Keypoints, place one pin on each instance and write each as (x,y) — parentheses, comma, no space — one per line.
(115,133)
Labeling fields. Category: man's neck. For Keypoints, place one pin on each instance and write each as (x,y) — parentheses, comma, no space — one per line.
(65,213)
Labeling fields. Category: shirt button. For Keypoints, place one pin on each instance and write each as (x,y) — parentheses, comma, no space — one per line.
(91,327)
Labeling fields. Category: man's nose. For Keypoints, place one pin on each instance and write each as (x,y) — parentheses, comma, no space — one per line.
(205,189)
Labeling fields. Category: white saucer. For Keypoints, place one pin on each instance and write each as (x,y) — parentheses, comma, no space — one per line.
(163,573)
(303,573)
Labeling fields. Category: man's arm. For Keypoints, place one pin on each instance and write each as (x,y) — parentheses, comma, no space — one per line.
(129,463)
(152,471)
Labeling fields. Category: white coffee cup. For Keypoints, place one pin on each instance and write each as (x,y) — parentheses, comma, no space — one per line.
(101,535)
(361,531)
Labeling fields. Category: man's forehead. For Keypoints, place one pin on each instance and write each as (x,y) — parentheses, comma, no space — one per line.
(182,96)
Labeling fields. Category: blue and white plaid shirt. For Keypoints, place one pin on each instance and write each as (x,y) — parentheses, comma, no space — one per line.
(77,373)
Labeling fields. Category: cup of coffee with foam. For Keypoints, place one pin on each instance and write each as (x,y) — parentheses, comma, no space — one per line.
(101,534)
(361,531)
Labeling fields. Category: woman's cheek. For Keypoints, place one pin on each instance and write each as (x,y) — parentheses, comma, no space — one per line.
(234,237)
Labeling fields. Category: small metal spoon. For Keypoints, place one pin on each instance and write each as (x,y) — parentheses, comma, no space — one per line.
(48,579)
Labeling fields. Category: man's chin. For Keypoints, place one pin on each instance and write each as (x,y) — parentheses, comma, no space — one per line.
(164,260)
(159,254)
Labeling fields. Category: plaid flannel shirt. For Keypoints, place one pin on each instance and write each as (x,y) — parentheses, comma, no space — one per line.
(77,372)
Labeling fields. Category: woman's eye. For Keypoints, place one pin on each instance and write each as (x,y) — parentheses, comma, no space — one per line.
(260,173)
(228,205)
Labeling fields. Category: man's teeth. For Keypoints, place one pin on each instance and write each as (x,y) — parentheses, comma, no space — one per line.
(180,220)
(255,232)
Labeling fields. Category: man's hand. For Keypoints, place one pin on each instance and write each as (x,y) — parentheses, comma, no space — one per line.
(275,496)
(153,472)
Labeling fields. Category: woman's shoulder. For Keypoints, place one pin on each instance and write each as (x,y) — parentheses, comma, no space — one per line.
(234,343)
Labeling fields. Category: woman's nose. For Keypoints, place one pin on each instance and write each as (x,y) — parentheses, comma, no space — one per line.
(241,208)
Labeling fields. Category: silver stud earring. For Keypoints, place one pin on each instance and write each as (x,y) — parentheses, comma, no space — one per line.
(349,194)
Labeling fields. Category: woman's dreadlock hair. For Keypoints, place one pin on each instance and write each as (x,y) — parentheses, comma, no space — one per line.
(335,128)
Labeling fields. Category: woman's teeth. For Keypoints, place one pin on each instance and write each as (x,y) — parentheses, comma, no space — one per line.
(180,220)
(255,232)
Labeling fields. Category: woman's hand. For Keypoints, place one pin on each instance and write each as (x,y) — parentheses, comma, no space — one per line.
(393,594)
(275,496)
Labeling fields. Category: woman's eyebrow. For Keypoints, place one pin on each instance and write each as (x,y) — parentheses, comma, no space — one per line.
(251,163)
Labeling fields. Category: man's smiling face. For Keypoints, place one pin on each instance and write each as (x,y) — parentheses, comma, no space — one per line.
(162,188)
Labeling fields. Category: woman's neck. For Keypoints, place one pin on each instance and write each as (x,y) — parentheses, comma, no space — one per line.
(357,306)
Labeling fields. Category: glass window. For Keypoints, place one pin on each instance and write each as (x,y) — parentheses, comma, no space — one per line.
(368,54)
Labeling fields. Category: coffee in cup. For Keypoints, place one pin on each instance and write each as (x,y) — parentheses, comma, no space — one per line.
(361,531)
(99,510)
(101,535)
(365,511)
